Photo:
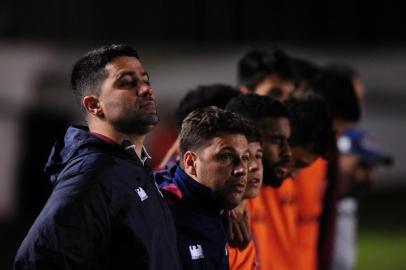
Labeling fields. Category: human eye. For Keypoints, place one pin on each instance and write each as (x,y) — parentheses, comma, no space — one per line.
(276,139)
(127,82)
(145,79)
(258,155)
(245,157)
(227,156)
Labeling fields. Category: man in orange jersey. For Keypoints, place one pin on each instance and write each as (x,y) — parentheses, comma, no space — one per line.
(271,117)
(245,257)
(274,211)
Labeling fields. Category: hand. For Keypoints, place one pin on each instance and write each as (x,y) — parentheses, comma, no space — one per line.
(240,234)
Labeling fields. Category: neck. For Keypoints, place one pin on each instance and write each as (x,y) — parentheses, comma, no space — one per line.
(242,206)
(118,137)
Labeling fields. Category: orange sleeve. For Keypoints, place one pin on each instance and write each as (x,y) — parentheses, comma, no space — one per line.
(310,185)
(242,259)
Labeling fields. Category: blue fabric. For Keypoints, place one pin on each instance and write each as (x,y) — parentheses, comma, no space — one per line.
(105,212)
(201,226)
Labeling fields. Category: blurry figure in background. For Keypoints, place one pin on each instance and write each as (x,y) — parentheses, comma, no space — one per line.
(210,179)
(266,74)
(338,89)
(359,159)
(270,234)
(306,73)
(312,142)
(336,85)
(205,95)
(353,76)
(310,181)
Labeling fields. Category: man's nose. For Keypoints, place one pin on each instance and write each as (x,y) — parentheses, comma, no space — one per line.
(253,165)
(239,170)
(285,151)
(145,90)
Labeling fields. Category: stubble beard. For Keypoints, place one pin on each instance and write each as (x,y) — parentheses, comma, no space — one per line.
(137,123)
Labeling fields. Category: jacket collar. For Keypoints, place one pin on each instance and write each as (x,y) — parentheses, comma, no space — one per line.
(196,193)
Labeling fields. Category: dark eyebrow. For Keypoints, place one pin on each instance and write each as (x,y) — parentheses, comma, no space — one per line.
(227,148)
(279,137)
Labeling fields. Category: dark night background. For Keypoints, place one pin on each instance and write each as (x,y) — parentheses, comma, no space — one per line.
(184,44)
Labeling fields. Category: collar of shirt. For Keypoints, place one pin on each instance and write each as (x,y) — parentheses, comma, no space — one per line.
(144,154)
(127,146)
(196,193)
(103,137)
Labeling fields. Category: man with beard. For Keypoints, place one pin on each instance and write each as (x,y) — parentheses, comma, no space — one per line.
(105,211)
(266,74)
(271,208)
(210,180)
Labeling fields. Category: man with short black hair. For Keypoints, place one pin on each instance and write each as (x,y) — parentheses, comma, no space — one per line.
(267,74)
(210,179)
(105,211)
(271,117)
(271,209)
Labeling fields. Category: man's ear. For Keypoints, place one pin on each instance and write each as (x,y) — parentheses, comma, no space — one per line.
(189,163)
(92,105)
(244,89)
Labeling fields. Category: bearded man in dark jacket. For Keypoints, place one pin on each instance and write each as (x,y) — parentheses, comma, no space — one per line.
(105,211)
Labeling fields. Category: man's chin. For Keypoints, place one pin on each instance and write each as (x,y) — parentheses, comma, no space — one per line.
(277,180)
(141,125)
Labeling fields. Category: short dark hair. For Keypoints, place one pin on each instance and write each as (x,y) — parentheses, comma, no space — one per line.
(305,70)
(311,123)
(335,85)
(203,124)
(89,71)
(205,95)
(256,108)
(256,65)
(253,67)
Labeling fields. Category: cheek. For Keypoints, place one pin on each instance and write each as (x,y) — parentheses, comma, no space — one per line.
(111,107)
(213,174)
(271,152)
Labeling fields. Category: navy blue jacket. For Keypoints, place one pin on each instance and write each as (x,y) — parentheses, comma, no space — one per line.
(201,228)
(105,212)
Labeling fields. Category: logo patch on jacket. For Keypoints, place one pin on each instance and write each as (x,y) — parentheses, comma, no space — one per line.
(196,252)
(141,193)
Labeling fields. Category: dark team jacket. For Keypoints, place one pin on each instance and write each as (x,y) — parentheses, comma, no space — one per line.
(201,229)
(105,212)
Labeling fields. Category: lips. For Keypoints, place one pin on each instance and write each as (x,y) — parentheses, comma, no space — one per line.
(282,168)
(253,182)
(238,188)
(148,104)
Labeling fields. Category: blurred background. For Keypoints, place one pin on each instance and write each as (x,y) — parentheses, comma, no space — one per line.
(184,44)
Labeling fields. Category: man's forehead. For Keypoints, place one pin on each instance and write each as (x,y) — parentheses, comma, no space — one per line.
(125,63)
(233,141)
(275,124)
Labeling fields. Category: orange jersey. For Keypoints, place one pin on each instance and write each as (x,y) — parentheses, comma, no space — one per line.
(310,186)
(273,223)
(242,259)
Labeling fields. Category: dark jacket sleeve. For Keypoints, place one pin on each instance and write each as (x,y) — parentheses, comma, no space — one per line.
(72,229)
